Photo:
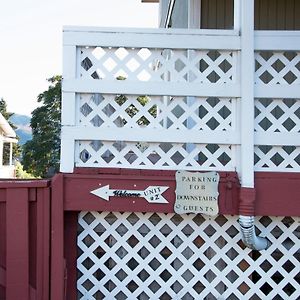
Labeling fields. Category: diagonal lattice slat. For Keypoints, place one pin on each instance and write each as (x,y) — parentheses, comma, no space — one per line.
(277,115)
(168,256)
(149,64)
(193,113)
(169,156)
(277,67)
(277,158)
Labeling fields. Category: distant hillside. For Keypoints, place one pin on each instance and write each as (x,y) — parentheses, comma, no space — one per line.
(23,130)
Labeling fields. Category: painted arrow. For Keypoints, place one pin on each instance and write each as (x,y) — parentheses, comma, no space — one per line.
(153,194)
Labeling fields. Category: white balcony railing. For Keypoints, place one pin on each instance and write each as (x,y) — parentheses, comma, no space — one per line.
(161,99)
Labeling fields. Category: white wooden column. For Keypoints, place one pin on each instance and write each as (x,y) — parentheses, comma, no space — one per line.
(67,153)
(10,153)
(193,23)
(237,15)
(247,91)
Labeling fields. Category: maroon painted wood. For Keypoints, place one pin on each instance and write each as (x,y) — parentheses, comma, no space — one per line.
(19,183)
(276,194)
(2,283)
(43,243)
(26,208)
(78,187)
(57,288)
(2,244)
(17,246)
(70,253)
(24,240)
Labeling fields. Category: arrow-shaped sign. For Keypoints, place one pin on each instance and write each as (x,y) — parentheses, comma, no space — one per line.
(153,194)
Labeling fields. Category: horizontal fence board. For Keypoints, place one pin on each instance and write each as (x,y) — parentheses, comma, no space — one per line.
(158,39)
(150,135)
(277,138)
(16,184)
(277,40)
(151,88)
(276,91)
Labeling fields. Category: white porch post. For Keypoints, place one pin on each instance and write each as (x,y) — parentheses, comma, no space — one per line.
(10,153)
(237,15)
(67,153)
(247,91)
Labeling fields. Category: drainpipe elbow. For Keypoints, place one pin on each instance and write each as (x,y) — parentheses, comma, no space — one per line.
(249,237)
(246,221)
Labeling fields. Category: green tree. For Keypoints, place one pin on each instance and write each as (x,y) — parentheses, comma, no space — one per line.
(6,148)
(41,154)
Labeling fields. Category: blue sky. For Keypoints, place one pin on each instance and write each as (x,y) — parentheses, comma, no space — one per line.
(31,39)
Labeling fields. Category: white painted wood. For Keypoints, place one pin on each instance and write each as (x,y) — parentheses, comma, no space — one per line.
(150,135)
(237,15)
(179,82)
(157,156)
(10,153)
(9,140)
(183,257)
(277,139)
(67,152)
(276,91)
(151,88)
(155,31)
(69,61)
(278,115)
(152,40)
(68,112)
(277,40)
(277,158)
(70,64)
(194,9)
(203,114)
(287,75)
(247,93)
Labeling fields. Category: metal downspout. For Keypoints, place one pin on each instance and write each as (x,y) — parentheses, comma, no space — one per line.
(247,220)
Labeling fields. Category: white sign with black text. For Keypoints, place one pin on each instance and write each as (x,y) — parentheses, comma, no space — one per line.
(197,193)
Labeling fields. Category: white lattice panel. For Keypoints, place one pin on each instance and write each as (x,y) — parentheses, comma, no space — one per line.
(168,256)
(277,67)
(193,113)
(277,158)
(171,156)
(148,64)
(277,115)
(274,116)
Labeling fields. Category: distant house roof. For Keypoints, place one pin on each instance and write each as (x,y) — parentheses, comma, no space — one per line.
(6,128)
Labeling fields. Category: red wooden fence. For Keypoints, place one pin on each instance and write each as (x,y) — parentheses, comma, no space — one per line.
(24,240)
(38,221)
